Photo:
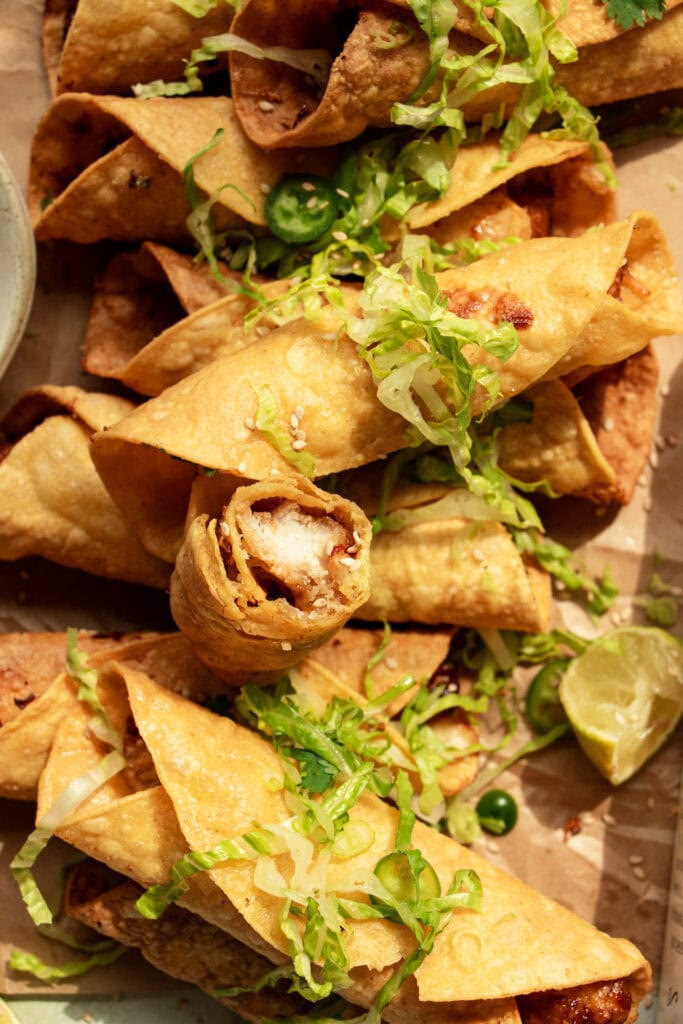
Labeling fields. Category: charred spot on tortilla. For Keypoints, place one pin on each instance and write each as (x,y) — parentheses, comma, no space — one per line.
(16,692)
(492,305)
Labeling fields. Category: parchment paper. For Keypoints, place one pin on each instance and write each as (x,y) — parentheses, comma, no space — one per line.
(605,853)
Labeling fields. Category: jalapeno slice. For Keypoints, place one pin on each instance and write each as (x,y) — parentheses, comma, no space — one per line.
(301,208)
(497,812)
(542,705)
(395,874)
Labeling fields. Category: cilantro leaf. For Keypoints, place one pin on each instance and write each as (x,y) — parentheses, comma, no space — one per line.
(627,13)
(316,772)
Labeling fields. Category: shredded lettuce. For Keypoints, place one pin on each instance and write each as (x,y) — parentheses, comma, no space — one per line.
(557,560)
(267,420)
(315,63)
(78,667)
(29,963)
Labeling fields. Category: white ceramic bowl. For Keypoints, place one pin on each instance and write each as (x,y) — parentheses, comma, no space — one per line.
(17,265)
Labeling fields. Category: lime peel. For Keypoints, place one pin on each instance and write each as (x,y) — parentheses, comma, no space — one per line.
(624,697)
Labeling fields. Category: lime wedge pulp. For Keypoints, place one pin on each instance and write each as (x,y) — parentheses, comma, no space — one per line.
(624,697)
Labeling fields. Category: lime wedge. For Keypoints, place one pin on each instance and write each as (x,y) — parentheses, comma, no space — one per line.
(6,1015)
(624,696)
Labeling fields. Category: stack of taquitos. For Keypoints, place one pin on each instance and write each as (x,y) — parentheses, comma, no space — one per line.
(140,831)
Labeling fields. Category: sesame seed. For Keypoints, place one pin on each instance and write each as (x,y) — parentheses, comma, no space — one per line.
(608,424)
(294,422)
(346,561)
(249,423)
(642,480)
(653,459)
(390,662)
(639,873)
(664,390)
(478,555)
(647,504)
(285,645)
(311,202)
(301,434)
(319,602)
(635,859)
(242,468)
(492,847)
(308,186)
(609,819)
(299,412)
(298,445)
(266,106)
(660,443)
(340,236)
(261,331)
(356,536)
(265,188)
(325,203)
(224,528)
(650,803)
(342,192)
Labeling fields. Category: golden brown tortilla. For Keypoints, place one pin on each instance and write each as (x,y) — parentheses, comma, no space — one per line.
(112,167)
(108,48)
(52,501)
(275,576)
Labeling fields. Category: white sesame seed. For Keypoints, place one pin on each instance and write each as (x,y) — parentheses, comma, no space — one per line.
(342,192)
(286,645)
(265,188)
(639,873)
(660,443)
(664,390)
(647,504)
(299,412)
(325,203)
(311,202)
(653,459)
(478,555)
(249,423)
(609,819)
(650,803)
(390,662)
(319,602)
(492,847)
(294,421)
(242,468)
(635,859)
(224,528)
(301,434)
(308,186)
(608,424)
(356,536)
(642,480)
(266,106)
(340,236)
(261,331)
(298,445)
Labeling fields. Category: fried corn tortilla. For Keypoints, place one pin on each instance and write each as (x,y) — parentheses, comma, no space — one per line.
(280,571)
(37,693)
(557,290)
(53,501)
(180,943)
(380,58)
(112,167)
(108,48)
(475,958)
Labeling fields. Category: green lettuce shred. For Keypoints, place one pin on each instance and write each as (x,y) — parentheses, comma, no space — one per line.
(268,421)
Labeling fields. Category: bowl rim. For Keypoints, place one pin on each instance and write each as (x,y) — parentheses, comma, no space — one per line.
(19,234)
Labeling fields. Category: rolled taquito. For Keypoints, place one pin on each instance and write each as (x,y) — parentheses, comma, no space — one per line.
(112,167)
(53,502)
(37,691)
(90,47)
(275,576)
(382,55)
(570,299)
(197,754)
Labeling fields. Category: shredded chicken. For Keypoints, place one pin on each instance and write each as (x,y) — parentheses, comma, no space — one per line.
(298,553)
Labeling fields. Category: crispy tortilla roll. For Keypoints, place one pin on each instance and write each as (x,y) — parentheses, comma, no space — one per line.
(36,692)
(569,298)
(552,187)
(459,572)
(280,106)
(53,502)
(281,571)
(474,973)
(592,443)
(157,317)
(179,943)
(112,167)
(108,48)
